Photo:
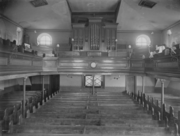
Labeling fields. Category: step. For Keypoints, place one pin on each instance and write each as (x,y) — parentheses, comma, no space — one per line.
(51,134)
(127,129)
(105,122)
(101,107)
(91,110)
(47,129)
(130,130)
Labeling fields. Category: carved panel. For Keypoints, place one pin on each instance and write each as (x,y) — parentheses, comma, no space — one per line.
(49,64)
(37,63)
(167,64)
(137,64)
(94,54)
(117,54)
(73,65)
(61,54)
(122,64)
(20,62)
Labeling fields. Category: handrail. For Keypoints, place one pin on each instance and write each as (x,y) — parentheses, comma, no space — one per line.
(20,54)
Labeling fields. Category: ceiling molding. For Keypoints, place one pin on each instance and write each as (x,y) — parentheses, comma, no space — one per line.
(173,25)
(69,6)
(9,20)
(49,30)
(139,31)
(117,9)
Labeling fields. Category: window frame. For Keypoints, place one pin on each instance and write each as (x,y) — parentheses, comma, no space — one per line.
(95,85)
(143,44)
(42,35)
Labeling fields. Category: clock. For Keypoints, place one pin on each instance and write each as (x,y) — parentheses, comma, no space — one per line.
(93,65)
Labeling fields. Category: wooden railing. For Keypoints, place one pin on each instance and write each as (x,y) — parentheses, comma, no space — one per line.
(18,62)
(163,66)
(118,62)
(165,118)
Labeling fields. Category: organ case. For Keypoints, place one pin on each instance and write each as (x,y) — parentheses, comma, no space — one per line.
(95,35)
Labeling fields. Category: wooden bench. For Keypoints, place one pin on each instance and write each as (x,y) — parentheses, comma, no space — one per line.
(11,108)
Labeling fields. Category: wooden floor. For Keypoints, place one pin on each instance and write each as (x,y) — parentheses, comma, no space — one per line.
(81,113)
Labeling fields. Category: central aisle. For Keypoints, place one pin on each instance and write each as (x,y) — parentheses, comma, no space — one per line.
(81,113)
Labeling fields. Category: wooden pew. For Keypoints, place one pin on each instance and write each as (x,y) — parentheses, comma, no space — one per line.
(169,120)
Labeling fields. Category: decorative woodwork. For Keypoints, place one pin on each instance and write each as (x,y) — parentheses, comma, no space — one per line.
(19,63)
(94,54)
(111,37)
(11,63)
(78,36)
(95,35)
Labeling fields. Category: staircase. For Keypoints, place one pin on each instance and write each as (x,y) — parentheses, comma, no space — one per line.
(81,113)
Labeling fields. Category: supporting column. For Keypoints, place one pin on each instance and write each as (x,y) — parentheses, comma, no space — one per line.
(162,98)
(43,90)
(143,84)
(93,85)
(135,84)
(24,97)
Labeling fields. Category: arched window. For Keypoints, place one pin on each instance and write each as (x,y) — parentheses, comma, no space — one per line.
(143,40)
(44,39)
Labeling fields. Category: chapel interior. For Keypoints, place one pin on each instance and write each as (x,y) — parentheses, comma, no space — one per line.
(89,67)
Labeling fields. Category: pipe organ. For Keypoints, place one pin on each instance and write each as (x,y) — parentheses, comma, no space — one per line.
(95,35)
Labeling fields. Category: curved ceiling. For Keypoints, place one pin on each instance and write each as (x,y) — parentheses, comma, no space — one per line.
(133,17)
(93,5)
(57,14)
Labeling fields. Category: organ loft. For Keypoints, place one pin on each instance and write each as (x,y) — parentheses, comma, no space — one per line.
(89,68)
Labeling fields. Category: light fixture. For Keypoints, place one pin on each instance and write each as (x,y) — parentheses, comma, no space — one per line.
(129,46)
(72,39)
(169,32)
(58,45)
(116,40)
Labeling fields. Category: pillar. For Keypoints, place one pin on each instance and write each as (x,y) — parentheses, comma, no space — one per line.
(43,88)
(93,84)
(162,97)
(143,84)
(24,97)
(135,84)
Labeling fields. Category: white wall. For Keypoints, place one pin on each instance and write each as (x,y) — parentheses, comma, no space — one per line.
(8,83)
(113,81)
(173,88)
(129,38)
(8,30)
(174,37)
(70,81)
(149,81)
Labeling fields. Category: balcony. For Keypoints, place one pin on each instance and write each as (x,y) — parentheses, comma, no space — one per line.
(17,64)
